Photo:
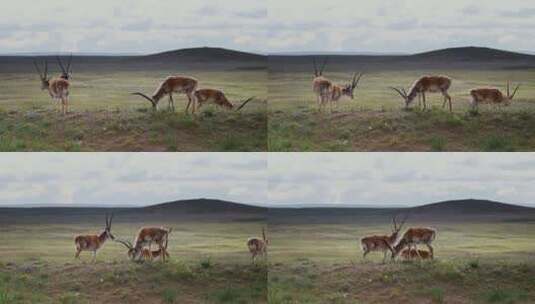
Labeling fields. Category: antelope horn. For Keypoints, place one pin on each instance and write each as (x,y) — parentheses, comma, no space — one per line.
(315,67)
(263,233)
(355,83)
(61,65)
(323,66)
(45,75)
(37,68)
(69,64)
(146,97)
(514,92)
(399,92)
(127,244)
(508,91)
(244,103)
(111,219)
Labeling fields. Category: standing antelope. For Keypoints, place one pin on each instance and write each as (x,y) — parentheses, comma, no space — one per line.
(173,84)
(382,243)
(146,236)
(414,236)
(258,246)
(58,88)
(204,96)
(491,96)
(431,84)
(65,73)
(93,242)
(328,92)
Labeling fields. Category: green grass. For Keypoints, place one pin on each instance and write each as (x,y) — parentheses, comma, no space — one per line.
(376,120)
(38,265)
(105,117)
(475,262)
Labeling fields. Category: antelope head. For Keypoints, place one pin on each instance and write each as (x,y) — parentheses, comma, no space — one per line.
(152,100)
(45,81)
(509,96)
(107,230)
(403,95)
(350,87)
(132,253)
(66,73)
(318,73)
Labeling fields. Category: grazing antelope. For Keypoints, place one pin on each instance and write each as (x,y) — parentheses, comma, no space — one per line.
(93,242)
(58,88)
(204,96)
(145,237)
(382,243)
(414,236)
(431,84)
(173,84)
(146,254)
(328,92)
(414,253)
(65,73)
(491,96)
(258,246)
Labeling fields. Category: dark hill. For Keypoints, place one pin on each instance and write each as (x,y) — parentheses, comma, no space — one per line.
(471,54)
(469,206)
(205,54)
(201,206)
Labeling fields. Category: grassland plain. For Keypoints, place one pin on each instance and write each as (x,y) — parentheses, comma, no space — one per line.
(209,262)
(105,117)
(377,121)
(318,259)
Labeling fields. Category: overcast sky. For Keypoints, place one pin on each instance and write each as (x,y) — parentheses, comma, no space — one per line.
(73,179)
(378,179)
(400,178)
(130,25)
(265,25)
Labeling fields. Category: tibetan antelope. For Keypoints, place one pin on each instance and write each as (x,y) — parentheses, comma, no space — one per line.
(427,84)
(93,242)
(491,96)
(58,88)
(328,92)
(146,254)
(145,237)
(66,73)
(382,243)
(415,253)
(205,96)
(414,236)
(258,246)
(173,84)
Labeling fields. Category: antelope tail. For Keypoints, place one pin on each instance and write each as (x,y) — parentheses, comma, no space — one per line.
(146,97)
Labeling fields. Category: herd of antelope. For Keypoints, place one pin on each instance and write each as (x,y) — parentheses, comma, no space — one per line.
(328,92)
(58,89)
(406,246)
(141,249)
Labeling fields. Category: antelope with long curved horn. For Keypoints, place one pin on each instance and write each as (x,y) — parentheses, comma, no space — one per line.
(217,97)
(427,84)
(93,242)
(174,84)
(382,243)
(491,96)
(328,92)
(57,88)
